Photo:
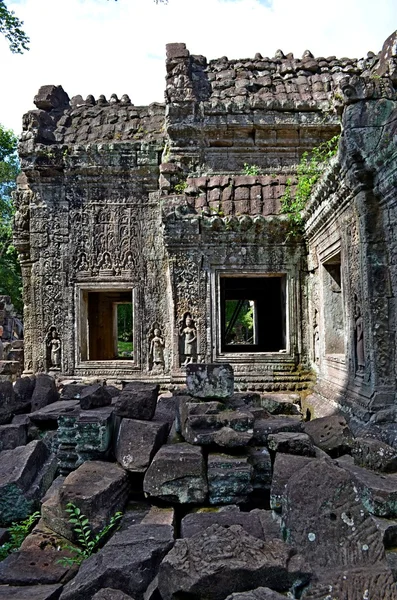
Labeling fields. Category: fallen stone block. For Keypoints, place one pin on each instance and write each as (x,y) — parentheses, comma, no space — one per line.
(285,465)
(331,434)
(137,400)
(210,380)
(353,584)
(137,442)
(281,404)
(229,479)
(378,492)
(26,472)
(220,561)
(97,488)
(7,402)
(290,442)
(12,436)
(23,389)
(374,454)
(111,594)
(94,396)
(49,415)
(72,391)
(128,562)
(261,462)
(265,427)
(177,474)
(45,392)
(388,530)
(30,592)
(257,594)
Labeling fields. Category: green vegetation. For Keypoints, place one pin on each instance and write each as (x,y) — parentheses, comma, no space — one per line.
(18,532)
(251,169)
(87,542)
(11,28)
(180,187)
(10,273)
(308,173)
(239,321)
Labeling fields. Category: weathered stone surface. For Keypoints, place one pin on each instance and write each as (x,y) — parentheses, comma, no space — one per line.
(137,401)
(30,592)
(229,479)
(26,473)
(378,492)
(285,465)
(291,443)
(97,488)
(12,436)
(281,404)
(388,530)
(7,401)
(50,97)
(220,561)
(331,434)
(353,584)
(45,392)
(23,389)
(137,443)
(94,396)
(128,562)
(37,561)
(257,594)
(177,474)
(71,391)
(52,412)
(210,380)
(261,462)
(264,427)
(374,454)
(111,594)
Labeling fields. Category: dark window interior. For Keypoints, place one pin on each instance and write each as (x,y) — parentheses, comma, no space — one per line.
(253,314)
(110,325)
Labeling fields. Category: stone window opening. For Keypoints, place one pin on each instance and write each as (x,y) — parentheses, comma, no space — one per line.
(107,325)
(253,313)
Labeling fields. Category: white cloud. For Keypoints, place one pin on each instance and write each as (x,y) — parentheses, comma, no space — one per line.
(100,46)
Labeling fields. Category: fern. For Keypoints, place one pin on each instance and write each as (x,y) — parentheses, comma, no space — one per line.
(18,531)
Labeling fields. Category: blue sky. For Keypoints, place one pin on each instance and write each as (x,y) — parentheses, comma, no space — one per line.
(104,47)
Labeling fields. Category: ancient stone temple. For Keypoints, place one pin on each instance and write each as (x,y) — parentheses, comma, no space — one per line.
(161,226)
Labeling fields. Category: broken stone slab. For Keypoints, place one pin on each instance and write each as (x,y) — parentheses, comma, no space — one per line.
(210,380)
(229,479)
(44,393)
(23,389)
(323,516)
(30,592)
(51,97)
(331,434)
(373,454)
(137,442)
(290,442)
(111,594)
(391,558)
(258,523)
(71,391)
(281,404)
(388,530)
(128,562)
(52,412)
(261,593)
(166,408)
(12,436)
(94,396)
(137,400)
(37,561)
(98,489)
(285,465)
(264,427)
(26,472)
(378,492)
(223,560)
(177,474)
(353,584)
(205,423)
(261,462)
(7,402)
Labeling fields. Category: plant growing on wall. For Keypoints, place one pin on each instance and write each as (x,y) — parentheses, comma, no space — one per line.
(308,173)
(17,533)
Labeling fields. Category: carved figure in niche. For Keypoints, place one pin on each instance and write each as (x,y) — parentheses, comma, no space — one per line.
(316,338)
(188,333)
(156,350)
(359,338)
(54,348)
(106,264)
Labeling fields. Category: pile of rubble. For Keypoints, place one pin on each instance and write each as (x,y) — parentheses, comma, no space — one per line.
(224,495)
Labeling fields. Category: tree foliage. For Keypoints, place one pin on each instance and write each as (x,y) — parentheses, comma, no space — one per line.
(11,28)
(10,274)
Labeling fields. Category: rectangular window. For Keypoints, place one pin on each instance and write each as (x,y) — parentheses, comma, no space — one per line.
(253,313)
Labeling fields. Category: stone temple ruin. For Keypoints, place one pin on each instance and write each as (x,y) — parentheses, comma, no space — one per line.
(155,252)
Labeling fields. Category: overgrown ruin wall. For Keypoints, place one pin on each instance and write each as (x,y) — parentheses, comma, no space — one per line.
(172,203)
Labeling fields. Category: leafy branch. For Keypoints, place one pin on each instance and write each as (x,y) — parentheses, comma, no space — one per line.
(87,542)
(308,171)
(11,28)
(18,532)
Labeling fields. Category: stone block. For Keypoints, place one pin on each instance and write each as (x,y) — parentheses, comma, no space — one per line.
(138,441)
(23,389)
(264,427)
(51,96)
(220,561)
(12,436)
(291,443)
(30,592)
(177,474)
(281,404)
(261,462)
(26,473)
(285,465)
(45,392)
(137,400)
(72,391)
(210,380)
(174,51)
(229,479)
(331,434)
(97,488)
(94,396)
(111,594)
(260,593)
(7,401)
(51,413)
(128,562)
(374,454)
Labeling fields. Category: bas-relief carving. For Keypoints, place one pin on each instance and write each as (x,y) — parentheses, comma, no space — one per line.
(188,335)
(53,346)
(316,338)
(156,349)
(359,338)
